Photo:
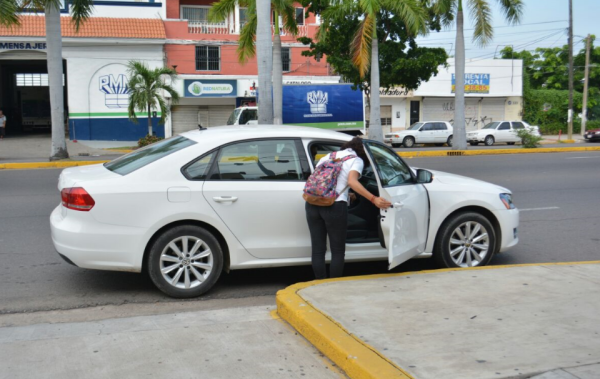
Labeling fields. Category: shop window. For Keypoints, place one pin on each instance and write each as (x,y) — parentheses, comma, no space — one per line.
(286,60)
(33,80)
(300,16)
(208,58)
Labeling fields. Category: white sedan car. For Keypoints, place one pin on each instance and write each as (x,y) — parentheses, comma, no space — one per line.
(436,132)
(188,208)
(500,131)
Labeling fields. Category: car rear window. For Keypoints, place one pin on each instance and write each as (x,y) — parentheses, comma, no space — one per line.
(140,158)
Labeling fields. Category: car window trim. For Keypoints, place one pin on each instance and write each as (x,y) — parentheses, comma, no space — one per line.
(214,166)
(412,174)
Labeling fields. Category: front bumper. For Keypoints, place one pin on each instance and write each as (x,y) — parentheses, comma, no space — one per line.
(509,228)
(591,137)
(86,243)
(475,138)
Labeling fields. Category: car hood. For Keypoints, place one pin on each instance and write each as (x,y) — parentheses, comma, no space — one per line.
(465,183)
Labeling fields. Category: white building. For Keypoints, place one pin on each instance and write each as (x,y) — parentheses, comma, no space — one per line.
(493,91)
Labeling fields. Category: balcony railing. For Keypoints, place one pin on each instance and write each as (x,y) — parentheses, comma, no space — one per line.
(302,30)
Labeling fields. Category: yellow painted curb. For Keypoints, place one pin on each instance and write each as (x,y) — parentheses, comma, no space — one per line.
(36,165)
(357,358)
(444,153)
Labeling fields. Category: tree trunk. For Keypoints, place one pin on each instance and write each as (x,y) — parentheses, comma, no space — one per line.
(264,58)
(277,80)
(375,130)
(149,121)
(459,138)
(55,82)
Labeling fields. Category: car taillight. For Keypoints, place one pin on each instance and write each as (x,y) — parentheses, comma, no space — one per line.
(77,199)
(397,136)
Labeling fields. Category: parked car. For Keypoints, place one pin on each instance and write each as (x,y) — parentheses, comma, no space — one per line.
(436,132)
(187,208)
(500,131)
(592,135)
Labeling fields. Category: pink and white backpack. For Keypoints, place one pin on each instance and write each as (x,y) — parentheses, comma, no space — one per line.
(320,186)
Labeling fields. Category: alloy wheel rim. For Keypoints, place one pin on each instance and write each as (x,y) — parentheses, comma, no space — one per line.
(186,262)
(410,142)
(469,244)
(489,141)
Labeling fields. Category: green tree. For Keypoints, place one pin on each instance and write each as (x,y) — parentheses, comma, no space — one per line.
(365,38)
(146,87)
(402,63)
(481,12)
(246,48)
(80,10)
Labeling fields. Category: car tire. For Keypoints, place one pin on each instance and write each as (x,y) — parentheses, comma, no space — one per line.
(408,142)
(510,143)
(489,141)
(187,277)
(449,141)
(439,144)
(453,230)
(396,145)
(474,143)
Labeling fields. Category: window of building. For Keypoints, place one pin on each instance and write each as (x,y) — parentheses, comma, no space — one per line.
(208,58)
(33,80)
(195,14)
(300,16)
(243,17)
(286,60)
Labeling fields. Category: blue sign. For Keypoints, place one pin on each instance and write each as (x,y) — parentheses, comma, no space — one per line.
(331,106)
(116,92)
(209,88)
(474,83)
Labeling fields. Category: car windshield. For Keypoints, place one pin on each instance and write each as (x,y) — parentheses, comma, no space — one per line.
(233,117)
(151,153)
(415,126)
(491,125)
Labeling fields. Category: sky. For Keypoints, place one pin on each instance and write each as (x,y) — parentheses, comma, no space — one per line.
(544,23)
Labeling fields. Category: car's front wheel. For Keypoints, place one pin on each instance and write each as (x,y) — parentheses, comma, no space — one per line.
(408,142)
(489,140)
(465,240)
(185,261)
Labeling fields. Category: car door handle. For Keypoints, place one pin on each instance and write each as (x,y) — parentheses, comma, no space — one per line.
(224,199)
(398,204)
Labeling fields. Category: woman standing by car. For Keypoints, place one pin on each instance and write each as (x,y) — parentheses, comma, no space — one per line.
(332,220)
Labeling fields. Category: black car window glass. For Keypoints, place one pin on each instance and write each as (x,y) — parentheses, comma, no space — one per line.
(504,126)
(319,149)
(518,125)
(151,153)
(259,160)
(392,170)
(427,127)
(199,169)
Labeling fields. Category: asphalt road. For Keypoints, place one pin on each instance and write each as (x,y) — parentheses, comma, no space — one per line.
(558,194)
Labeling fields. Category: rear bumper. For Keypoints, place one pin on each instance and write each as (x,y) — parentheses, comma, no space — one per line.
(509,227)
(85,243)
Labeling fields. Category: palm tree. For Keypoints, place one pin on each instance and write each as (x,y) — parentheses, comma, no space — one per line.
(483,33)
(365,45)
(80,11)
(145,91)
(246,49)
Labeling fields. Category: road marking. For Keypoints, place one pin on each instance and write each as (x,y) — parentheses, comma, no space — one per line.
(538,209)
(596,156)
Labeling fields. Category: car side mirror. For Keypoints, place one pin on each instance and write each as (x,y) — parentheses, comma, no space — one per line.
(424,176)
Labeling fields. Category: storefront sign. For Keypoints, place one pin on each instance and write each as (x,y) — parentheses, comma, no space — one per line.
(209,88)
(474,83)
(395,92)
(116,92)
(22,45)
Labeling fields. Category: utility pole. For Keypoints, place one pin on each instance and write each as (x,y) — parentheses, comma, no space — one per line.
(585,83)
(570,114)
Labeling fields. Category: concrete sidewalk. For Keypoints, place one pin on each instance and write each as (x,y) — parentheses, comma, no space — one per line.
(496,322)
(225,343)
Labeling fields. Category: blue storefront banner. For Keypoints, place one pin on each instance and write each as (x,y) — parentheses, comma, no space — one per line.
(331,106)
(474,83)
(209,88)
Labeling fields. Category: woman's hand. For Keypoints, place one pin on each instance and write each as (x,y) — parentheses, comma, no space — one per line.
(381,203)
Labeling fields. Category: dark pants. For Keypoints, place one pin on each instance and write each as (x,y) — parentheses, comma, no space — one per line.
(1,131)
(324,221)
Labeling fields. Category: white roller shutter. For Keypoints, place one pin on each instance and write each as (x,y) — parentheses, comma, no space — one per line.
(187,117)
(491,110)
(442,109)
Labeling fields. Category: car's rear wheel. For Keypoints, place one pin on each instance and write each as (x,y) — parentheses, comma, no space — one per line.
(510,143)
(465,240)
(449,141)
(489,140)
(185,261)
(408,142)
(474,143)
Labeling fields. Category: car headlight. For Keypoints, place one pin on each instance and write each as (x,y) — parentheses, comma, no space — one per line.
(507,200)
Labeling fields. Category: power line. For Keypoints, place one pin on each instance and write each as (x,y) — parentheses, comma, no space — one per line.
(509,26)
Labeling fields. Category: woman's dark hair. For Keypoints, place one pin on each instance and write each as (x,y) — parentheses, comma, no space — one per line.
(356,144)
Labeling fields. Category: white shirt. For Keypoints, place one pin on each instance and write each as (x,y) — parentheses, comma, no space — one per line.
(354,164)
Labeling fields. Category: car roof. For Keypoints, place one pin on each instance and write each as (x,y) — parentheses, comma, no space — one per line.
(229,133)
